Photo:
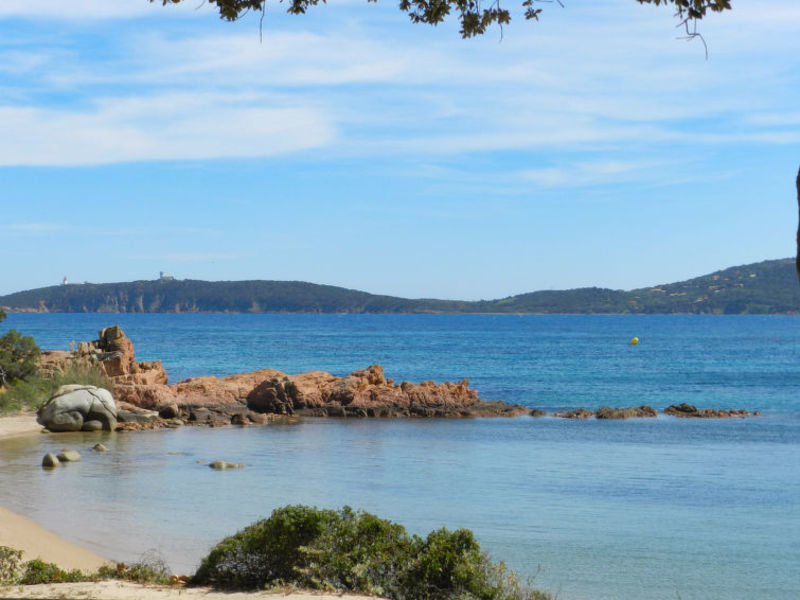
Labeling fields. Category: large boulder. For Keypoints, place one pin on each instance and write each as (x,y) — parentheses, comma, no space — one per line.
(79,407)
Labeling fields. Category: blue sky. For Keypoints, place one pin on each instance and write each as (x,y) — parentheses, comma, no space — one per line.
(352,148)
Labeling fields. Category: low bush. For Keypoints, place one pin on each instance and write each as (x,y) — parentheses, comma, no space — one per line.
(150,568)
(10,563)
(38,571)
(358,551)
(351,550)
(19,357)
(14,571)
(266,552)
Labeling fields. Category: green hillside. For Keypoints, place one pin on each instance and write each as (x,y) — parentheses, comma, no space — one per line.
(768,287)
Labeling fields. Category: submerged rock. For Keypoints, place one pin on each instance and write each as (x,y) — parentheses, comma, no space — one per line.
(538,412)
(68,455)
(690,411)
(50,461)
(219,465)
(99,448)
(636,412)
(578,413)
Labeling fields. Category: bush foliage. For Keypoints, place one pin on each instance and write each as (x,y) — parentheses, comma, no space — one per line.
(349,550)
(19,356)
(151,568)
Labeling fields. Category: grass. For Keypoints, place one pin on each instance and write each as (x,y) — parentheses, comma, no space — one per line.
(32,393)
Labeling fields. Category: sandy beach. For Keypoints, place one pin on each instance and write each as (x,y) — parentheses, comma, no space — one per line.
(123,590)
(18,425)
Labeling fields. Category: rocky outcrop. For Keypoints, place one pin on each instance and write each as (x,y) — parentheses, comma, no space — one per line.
(578,413)
(692,412)
(147,401)
(644,412)
(79,408)
(636,412)
(113,352)
(367,393)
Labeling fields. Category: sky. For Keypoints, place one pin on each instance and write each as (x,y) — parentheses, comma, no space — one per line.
(351,147)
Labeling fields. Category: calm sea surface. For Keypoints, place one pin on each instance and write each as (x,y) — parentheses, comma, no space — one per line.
(634,510)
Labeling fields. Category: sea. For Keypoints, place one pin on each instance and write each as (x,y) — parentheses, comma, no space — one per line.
(642,509)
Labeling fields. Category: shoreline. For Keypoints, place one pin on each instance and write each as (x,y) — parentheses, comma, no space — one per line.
(21,533)
(18,425)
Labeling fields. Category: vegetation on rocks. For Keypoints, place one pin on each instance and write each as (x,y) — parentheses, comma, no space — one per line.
(32,392)
(349,550)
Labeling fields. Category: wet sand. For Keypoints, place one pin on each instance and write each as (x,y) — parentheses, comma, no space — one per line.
(19,425)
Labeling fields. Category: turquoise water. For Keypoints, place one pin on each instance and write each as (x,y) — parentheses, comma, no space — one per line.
(641,509)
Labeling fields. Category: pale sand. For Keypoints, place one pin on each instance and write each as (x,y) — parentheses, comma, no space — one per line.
(36,542)
(18,425)
(123,590)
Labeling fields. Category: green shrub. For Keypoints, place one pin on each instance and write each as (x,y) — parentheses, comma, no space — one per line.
(22,395)
(38,571)
(150,568)
(450,565)
(10,564)
(350,550)
(358,551)
(266,552)
(19,356)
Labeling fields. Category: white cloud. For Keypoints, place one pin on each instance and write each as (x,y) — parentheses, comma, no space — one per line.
(569,81)
(166,127)
(593,173)
(33,228)
(88,10)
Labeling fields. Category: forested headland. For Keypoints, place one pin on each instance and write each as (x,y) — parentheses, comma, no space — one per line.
(768,287)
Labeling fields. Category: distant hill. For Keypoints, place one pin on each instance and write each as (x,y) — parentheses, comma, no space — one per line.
(768,287)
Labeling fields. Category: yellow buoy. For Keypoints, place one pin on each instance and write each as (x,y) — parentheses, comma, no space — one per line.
(634,341)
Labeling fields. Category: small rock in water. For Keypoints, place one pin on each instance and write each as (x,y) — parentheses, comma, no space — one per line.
(99,448)
(221,465)
(68,455)
(50,461)
(538,412)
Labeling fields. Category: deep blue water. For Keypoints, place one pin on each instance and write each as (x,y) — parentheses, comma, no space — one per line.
(641,509)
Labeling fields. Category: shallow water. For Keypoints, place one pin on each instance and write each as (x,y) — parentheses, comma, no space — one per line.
(641,509)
